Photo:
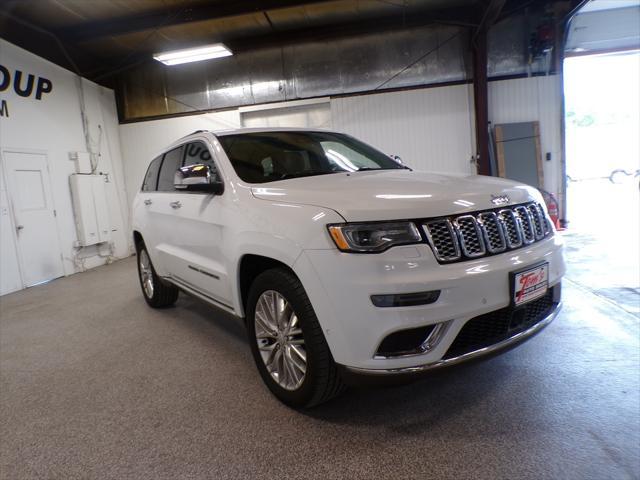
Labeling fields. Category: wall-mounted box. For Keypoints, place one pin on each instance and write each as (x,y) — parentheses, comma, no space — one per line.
(90,209)
(82,161)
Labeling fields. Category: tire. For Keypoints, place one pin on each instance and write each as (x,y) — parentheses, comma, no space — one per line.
(321,380)
(157,293)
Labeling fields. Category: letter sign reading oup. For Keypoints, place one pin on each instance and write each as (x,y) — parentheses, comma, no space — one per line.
(24,85)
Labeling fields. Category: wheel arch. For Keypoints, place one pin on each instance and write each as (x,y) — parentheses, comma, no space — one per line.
(137,239)
(249,267)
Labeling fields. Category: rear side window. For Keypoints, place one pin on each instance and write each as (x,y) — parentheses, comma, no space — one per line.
(172,162)
(151,178)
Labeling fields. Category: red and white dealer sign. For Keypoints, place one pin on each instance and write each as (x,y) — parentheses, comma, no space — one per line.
(530,284)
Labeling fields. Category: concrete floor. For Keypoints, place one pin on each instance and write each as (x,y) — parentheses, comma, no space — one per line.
(94,384)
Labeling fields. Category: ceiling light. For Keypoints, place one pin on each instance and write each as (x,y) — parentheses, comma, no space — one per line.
(197,54)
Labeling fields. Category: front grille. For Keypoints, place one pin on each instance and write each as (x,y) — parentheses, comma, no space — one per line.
(489,232)
(493,327)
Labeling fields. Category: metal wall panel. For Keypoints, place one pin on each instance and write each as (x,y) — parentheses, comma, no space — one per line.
(418,56)
(393,59)
(429,128)
(531,99)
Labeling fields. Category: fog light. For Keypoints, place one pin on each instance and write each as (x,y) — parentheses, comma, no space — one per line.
(405,299)
(412,341)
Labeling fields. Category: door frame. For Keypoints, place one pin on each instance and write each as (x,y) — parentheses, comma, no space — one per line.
(5,177)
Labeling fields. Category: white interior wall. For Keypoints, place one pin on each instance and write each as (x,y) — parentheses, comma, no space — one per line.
(533,99)
(53,126)
(430,129)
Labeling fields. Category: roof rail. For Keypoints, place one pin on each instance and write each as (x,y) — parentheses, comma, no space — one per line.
(193,133)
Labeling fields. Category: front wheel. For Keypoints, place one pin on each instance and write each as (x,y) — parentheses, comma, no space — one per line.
(287,342)
(157,293)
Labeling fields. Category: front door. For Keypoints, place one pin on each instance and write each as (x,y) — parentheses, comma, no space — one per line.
(31,201)
(198,234)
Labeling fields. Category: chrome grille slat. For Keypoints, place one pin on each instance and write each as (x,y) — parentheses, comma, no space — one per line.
(512,229)
(493,232)
(538,222)
(464,237)
(443,240)
(471,242)
(526,224)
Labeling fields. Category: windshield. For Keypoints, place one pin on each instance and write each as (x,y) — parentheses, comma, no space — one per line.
(270,156)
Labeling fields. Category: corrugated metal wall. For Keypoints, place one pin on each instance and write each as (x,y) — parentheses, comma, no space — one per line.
(431,129)
(533,99)
(418,56)
(426,55)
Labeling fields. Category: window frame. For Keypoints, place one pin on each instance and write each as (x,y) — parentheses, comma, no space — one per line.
(183,156)
(164,156)
(213,159)
(160,159)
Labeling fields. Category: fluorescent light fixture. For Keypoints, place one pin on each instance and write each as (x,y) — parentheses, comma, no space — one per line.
(197,54)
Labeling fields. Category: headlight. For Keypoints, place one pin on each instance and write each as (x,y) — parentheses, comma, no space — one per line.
(373,237)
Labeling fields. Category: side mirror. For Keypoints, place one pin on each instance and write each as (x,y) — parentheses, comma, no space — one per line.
(197,178)
(397,159)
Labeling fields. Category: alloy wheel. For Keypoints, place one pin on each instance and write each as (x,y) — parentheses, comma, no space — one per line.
(280,340)
(146,274)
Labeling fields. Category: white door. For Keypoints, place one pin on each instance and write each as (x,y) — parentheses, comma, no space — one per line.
(27,178)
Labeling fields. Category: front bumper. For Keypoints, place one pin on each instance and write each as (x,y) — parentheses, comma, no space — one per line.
(500,346)
(340,285)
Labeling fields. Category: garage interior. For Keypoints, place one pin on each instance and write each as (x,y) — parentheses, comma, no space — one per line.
(94,384)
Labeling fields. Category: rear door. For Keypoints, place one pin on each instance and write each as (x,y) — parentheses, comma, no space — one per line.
(198,231)
(145,212)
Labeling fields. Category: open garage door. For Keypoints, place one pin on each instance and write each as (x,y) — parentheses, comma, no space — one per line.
(602,121)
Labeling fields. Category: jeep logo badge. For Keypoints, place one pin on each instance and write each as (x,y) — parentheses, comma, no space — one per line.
(500,199)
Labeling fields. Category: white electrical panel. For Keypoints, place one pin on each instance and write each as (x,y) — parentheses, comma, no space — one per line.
(102,209)
(90,209)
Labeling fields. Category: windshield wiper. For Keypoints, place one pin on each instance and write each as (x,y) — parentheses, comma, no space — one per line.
(399,167)
(302,174)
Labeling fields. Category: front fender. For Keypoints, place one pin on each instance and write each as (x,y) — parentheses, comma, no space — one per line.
(280,232)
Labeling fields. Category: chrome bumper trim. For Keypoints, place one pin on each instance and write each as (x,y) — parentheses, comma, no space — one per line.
(467,356)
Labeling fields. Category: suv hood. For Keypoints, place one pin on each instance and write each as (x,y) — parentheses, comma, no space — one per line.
(396,194)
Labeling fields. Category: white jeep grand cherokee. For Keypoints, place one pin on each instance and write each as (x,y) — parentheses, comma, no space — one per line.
(343,262)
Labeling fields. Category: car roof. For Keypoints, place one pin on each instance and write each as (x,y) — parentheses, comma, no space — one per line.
(238,131)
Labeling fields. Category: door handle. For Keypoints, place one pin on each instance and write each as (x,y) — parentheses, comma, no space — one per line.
(19,227)
(176,204)
(148,201)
